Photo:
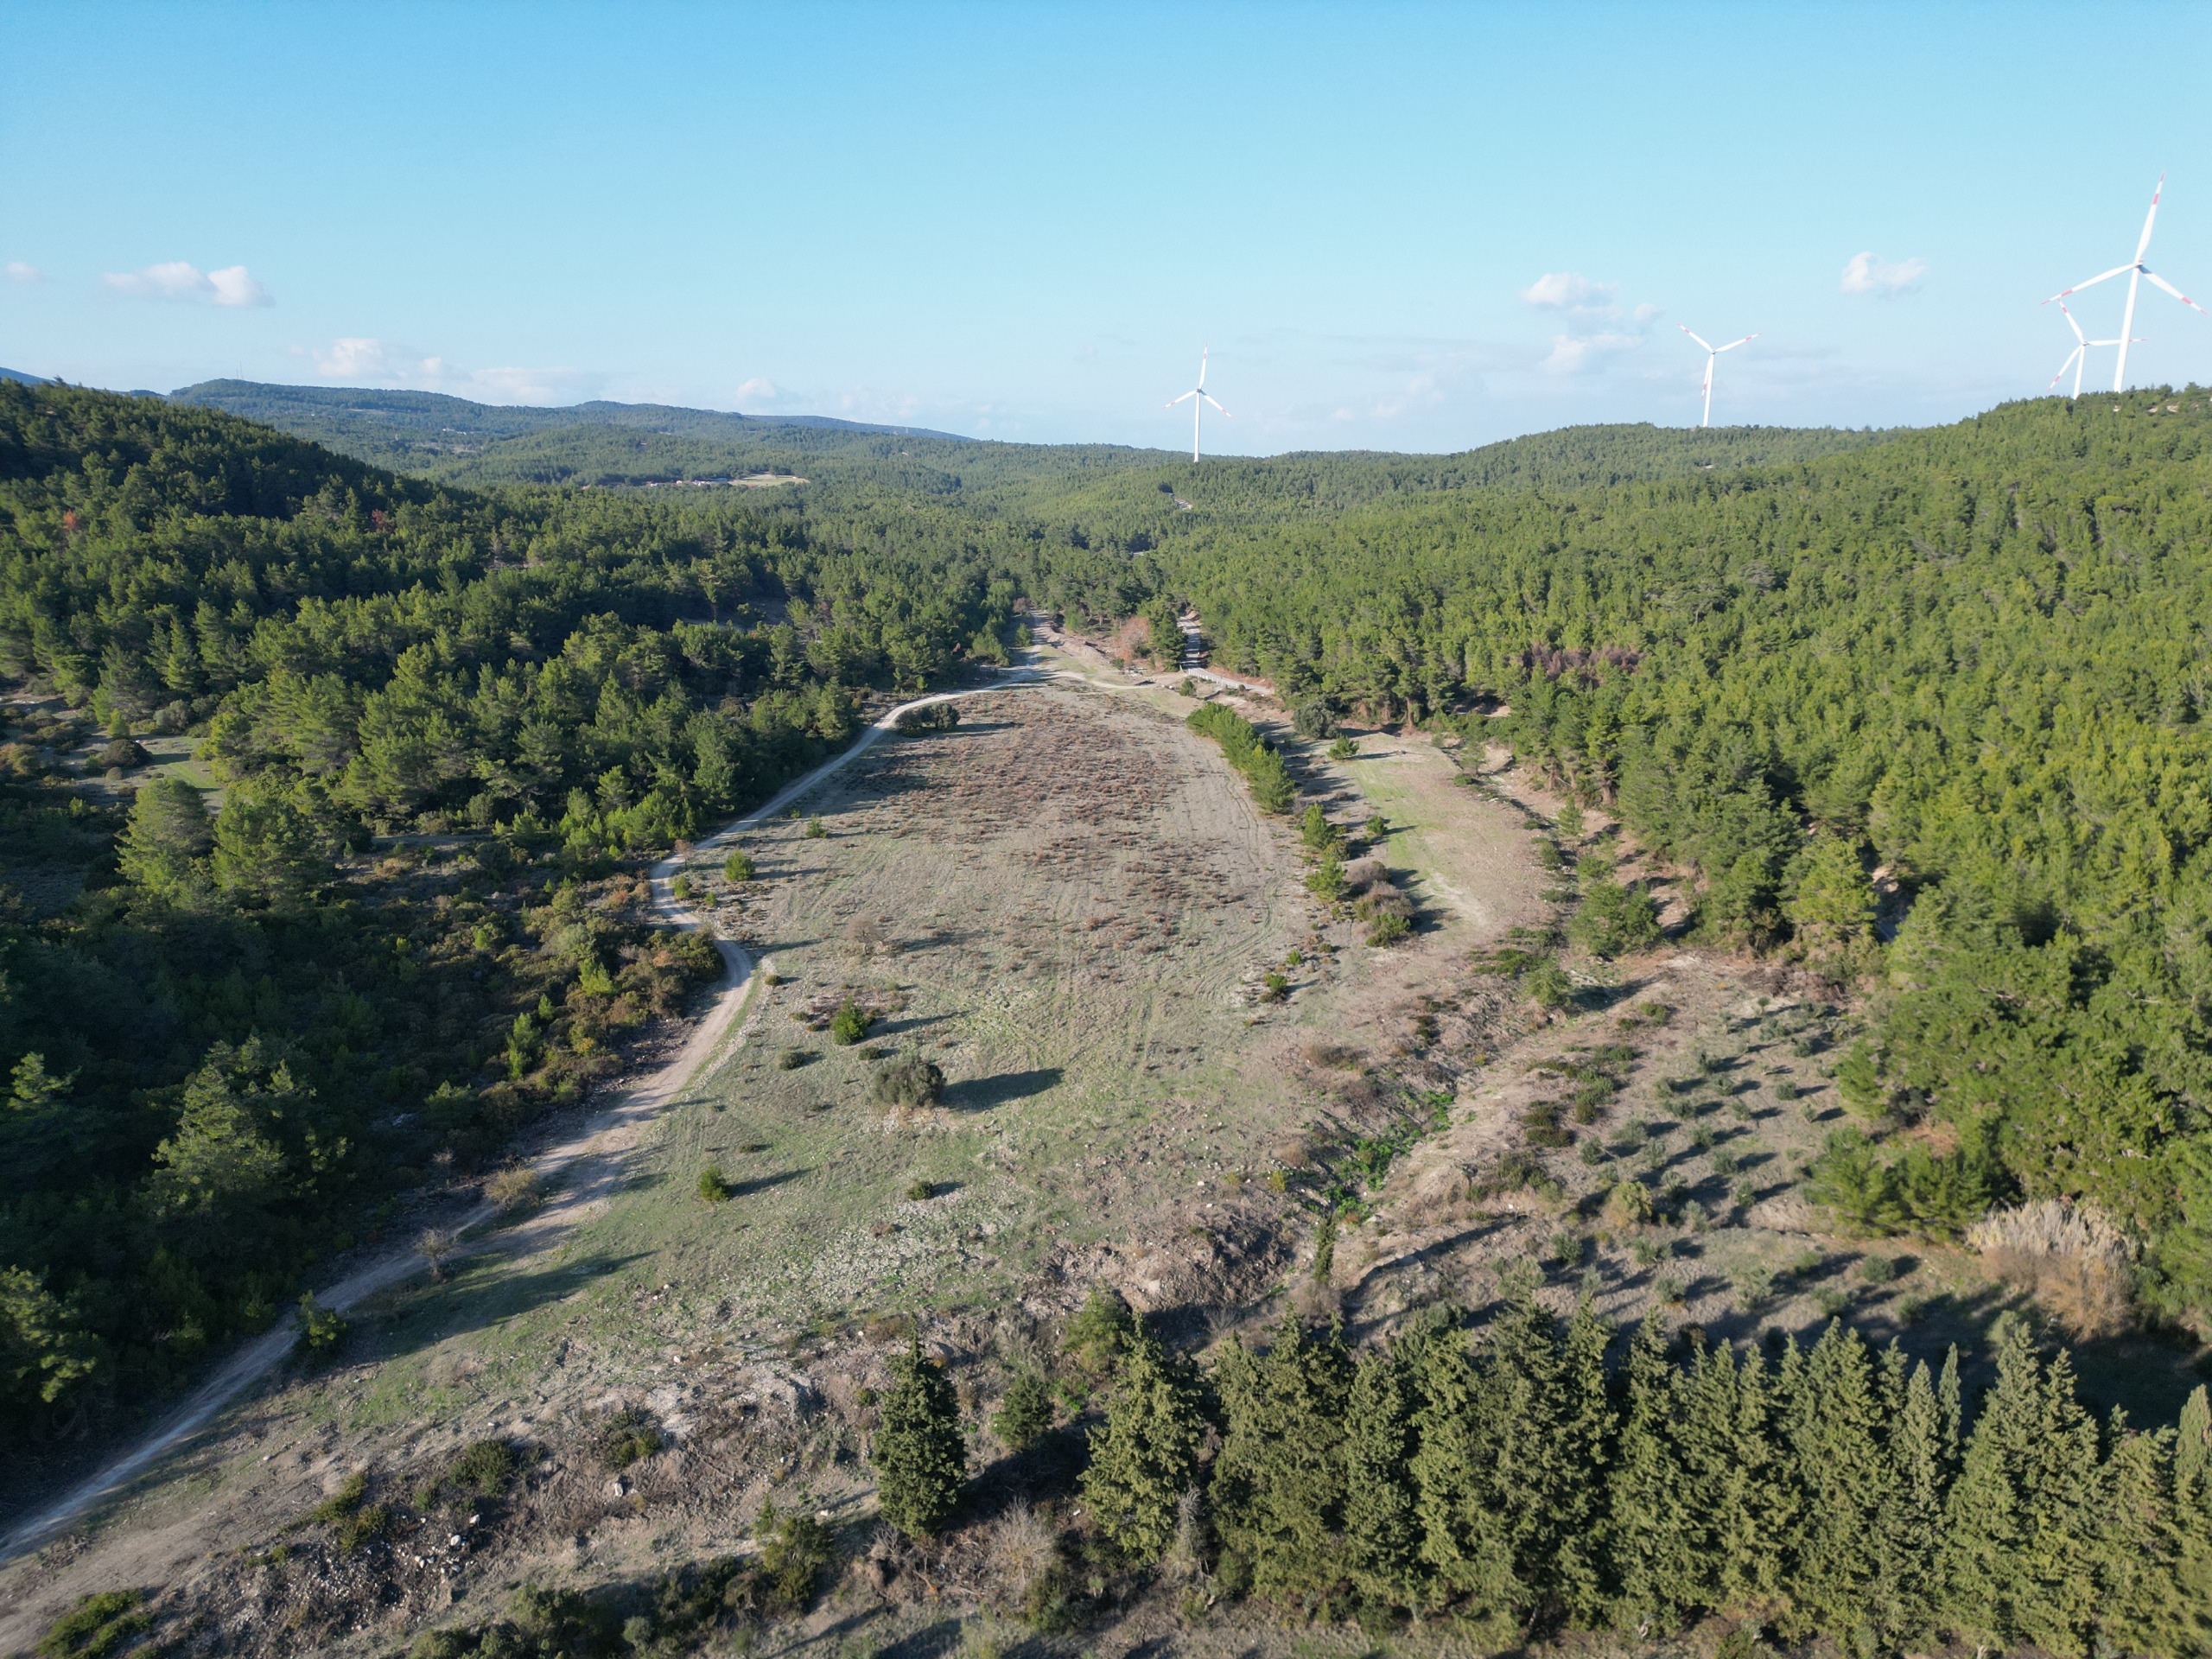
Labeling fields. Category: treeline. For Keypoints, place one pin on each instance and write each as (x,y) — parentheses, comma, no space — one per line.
(1831,1490)
(257,1022)
(1249,753)
(1970,660)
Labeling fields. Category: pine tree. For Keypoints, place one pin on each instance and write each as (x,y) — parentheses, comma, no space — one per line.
(1145,1456)
(1734,1475)
(1460,1539)
(2192,1505)
(1650,1533)
(920,1456)
(1912,1530)
(1382,1530)
(1281,1468)
(1589,1429)
(1848,1482)
(2141,1607)
(2019,1516)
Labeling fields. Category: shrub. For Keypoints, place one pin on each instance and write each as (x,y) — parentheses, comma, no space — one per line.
(1549,987)
(1629,1204)
(1274,986)
(921,1192)
(626,1436)
(1026,1411)
(1096,1336)
(910,1081)
(792,1058)
(1314,719)
(738,867)
(2069,1257)
(680,889)
(849,1024)
(1754,1284)
(1263,770)
(920,1457)
(514,1187)
(437,1246)
(123,752)
(813,830)
(795,1550)
(930,717)
(97,1626)
(484,1468)
(320,1329)
(1388,930)
(1833,1301)
(1614,919)
(713,1188)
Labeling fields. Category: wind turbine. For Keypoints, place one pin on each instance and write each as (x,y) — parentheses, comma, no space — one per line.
(1198,398)
(1713,356)
(2080,359)
(2137,271)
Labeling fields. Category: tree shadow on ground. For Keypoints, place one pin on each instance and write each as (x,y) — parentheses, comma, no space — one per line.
(980,1094)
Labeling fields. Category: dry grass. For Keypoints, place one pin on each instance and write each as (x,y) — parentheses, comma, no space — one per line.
(2070,1258)
(512,1188)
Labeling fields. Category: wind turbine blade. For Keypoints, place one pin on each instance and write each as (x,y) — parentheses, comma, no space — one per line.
(1733,343)
(1208,397)
(2076,327)
(2150,218)
(2117,271)
(1204,351)
(2067,364)
(1685,328)
(1185,398)
(2153,277)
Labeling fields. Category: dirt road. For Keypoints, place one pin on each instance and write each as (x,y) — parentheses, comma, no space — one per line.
(599,1141)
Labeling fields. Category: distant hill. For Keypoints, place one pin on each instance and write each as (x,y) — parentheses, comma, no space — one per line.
(1120,490)
(27,379)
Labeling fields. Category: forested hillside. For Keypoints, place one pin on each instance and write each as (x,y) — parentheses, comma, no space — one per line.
(1973,662)
(252,1028)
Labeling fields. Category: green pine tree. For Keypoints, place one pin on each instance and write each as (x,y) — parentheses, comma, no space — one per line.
(919,1455)
(1836,1434)
(1461,1542)
(2141,1605)
(1652,1530)
(1382,1529)
(1912,1529)
(1145,1456)
(1280,1479)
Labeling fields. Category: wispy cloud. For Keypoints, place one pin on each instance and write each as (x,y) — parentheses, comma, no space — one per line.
(178,280)
(18,271)
(1575,353)
(364,360)
(1867,273)
(1567,290)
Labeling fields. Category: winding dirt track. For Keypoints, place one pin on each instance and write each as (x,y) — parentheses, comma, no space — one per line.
(598,1141)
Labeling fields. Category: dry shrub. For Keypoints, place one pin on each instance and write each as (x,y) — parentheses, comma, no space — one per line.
(1022,1554)
(1331,1056)
(1294,1153)
(1363,873)
(512,1188)
(2068,1256)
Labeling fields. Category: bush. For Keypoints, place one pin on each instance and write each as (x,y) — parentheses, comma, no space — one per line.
(514,1187)
(795,1549)
(909,1081)
(1388,930)
(1263,770)
(1025,1414)
(1549,987)
(1314,719)
(123,752)
(680,889)
(97,1626)
(1629,1204)
(738,867)
(626,1436)
(1099,1333)
(484,1468)
(930,717)
(921,1192)
(1615,920)
(320,1329)
(849,1024)
(813,830)
(792,1058)
(713,1188)
(1343,748)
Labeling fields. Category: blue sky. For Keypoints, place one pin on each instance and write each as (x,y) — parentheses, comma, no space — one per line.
(1397,227)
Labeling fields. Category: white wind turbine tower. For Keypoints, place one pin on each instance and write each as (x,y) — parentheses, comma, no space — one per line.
(1197,398)
(2137,271)
(1713,356)
(2080,359)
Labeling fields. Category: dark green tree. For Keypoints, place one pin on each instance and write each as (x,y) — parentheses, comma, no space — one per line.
(1144,1458)
(919,1455)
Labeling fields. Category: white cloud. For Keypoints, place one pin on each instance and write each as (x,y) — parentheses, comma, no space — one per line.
(1866,274)
(179,280)
(17,271)
(361,360)
(1647,312)
(1566,290)
(1573,353)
